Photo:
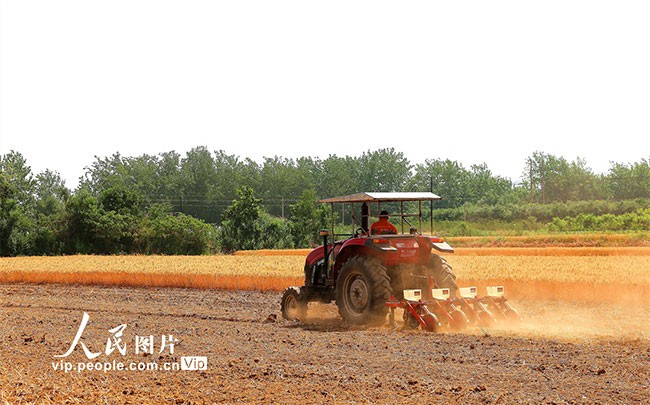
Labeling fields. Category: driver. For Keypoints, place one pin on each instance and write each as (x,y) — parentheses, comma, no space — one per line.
(383,227)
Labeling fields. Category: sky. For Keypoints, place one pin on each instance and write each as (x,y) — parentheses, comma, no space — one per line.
(471,81)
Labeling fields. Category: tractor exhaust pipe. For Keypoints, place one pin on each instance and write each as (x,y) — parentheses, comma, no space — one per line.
(324,233)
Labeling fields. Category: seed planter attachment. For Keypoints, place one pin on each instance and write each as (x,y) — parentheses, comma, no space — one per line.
(444,312)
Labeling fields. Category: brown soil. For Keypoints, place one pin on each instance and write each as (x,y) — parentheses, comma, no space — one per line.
(562,352)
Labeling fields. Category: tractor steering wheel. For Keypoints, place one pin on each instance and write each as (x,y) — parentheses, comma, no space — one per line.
(359,232)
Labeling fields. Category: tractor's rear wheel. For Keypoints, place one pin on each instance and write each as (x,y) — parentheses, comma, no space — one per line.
(362,290)
(443,274)
(292,306)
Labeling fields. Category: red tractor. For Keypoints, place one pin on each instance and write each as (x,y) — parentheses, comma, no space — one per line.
(364,271)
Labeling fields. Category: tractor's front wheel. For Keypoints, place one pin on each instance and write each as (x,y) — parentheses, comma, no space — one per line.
(292,306)
(362,289)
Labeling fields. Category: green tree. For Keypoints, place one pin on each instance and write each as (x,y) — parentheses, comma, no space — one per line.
(199,183)
(629,181)
(17,198)
(122,200)
(231,174)
(239,228)
(485,188)
(31,208)
(339,176)
(169,178)
(307,218)
(449,178)
(82,213)
(51,196)
(279,184)
(8,213)
(157,179)
(142,177)
(309,173)
(104,173)
(100,226)
(246,226)
(550,178)
(384,170)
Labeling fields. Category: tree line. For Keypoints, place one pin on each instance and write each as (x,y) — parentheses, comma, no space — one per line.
(206,201)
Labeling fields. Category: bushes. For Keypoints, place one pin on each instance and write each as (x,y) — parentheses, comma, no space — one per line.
(542,212)
(586,216)
(169,234)
(275,233)
(90,228)
(636,221)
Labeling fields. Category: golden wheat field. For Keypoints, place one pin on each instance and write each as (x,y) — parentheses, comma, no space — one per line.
(268,273)
(507,266)
(585,270)
(564,240)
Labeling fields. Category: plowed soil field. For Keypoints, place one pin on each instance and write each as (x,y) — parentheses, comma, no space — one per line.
(562,352)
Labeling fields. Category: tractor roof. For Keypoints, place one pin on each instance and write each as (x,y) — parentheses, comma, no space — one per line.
(381,197)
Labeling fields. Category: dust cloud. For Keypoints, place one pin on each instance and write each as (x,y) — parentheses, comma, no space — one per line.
(576,312)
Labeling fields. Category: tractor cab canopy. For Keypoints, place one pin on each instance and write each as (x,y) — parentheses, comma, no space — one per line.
(401,204)
(382,197)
